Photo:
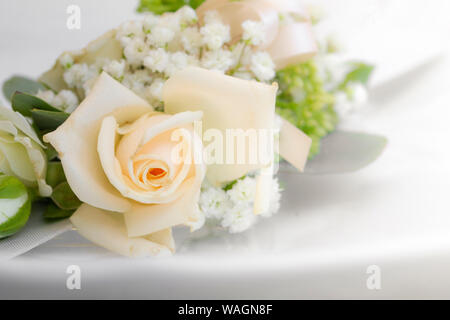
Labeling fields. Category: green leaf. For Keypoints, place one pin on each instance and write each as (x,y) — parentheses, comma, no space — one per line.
(64,197)
(50,152)
(162,6)
(55,174)
(15,205)
(24,103)
(346,151)
(22,84)
(48,120)
(361,73)
(54,212)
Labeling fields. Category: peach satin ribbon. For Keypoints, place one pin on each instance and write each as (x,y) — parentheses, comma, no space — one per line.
(287,42)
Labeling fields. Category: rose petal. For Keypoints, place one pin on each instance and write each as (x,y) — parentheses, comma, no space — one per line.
(108,230)
(227,103)
(106,150)
(76,141)
(145,219)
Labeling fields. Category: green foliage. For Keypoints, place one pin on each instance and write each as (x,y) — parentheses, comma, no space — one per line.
(360,73)
(22,84)
(64,197)
(55,174)
(53,212)
(161,6)
(304,102)
(63,201)
(17,214)
(45,117)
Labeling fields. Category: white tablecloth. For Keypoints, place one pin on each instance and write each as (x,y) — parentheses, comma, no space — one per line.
(394,214)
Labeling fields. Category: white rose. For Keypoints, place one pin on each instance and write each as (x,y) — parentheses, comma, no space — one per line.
(21,151)
(117,154)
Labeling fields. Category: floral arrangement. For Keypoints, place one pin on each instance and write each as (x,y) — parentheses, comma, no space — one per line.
(129,137)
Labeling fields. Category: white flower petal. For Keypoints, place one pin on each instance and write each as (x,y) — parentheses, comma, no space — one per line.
(22,151)
(76,141)
(227,103)
(145,219)
(108,230)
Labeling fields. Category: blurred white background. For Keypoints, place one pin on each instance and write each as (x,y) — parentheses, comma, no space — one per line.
(394,214)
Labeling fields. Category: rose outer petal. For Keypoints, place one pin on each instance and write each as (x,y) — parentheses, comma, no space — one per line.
(76,141)
(107,230)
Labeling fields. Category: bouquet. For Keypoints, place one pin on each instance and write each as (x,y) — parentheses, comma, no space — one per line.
(180,118)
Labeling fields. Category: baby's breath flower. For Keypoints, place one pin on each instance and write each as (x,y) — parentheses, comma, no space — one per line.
(135,52)
(191,39)
(79,74)
(157,60)
(214,202)
(156,89)
(262,66)
(66,60)
(88,85)
(178,61)
(239,219)
(350,99)
(130,30)
(65,100)
(215,35)
(116,69)
(275,198)
(220,60)
(358,93)
(160,36)
(254,32)
(46,95)
(243,191)
(170,21)
(342,103)
(150,21)
(188,16)
(137,82)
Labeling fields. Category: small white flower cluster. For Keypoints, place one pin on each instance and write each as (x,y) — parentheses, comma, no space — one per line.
(351,99)
(157,46)
(233,209)
(65,100)
(333,68)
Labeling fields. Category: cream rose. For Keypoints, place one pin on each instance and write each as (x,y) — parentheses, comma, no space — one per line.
(21,151)
(133,169)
